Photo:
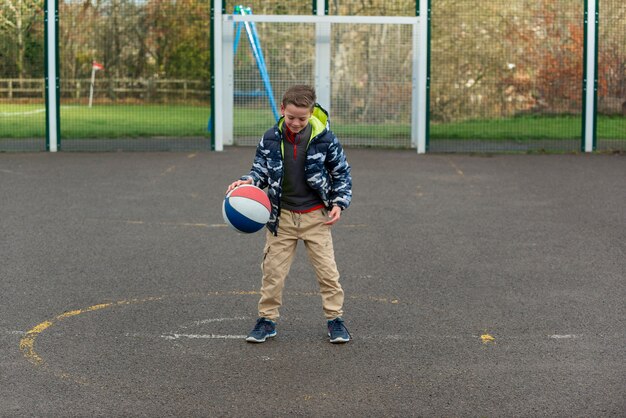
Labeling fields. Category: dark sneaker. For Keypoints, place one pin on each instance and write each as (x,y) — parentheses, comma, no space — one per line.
(263,330)
(338,332)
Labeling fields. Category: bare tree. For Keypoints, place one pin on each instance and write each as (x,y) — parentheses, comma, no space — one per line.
(16,19)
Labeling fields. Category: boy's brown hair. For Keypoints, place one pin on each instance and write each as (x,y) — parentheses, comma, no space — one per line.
(300,95)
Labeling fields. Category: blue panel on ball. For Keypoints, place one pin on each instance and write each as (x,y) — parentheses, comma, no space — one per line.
(239,221)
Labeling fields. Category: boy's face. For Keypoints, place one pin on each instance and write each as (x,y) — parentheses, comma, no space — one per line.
(296,118)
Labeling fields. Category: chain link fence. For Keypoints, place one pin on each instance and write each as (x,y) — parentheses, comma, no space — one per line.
(370,79)
(506,76)
(612,76)
(135,74)
(22,76)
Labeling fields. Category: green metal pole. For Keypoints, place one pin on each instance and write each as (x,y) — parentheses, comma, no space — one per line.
(217,11)
(315,7)
(427,14)
(212,81)
(584,80)
(428,80)
(52,81)
(595,60)
(590,78)
(46,71)
(57,79)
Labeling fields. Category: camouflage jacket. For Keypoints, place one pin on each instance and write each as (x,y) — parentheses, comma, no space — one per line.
(326,168)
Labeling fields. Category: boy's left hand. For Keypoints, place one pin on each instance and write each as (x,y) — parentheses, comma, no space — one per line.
(334,215)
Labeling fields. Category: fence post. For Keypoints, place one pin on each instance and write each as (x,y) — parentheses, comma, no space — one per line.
(51,22)
(421,78)
(322,56)
(590,77)
(228,65)
(217,77)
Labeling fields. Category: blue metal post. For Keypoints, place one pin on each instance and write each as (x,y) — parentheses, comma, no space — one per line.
(253,37)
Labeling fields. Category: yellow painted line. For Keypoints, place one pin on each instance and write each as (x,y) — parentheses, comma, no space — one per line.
(97,307)
(27,343)
(190,156)
(200,225)
(169,170)
(136,300)
(456,168)
(205,225)
(139,222)
(70,313)
(27,346)
(186,224)
(41,327)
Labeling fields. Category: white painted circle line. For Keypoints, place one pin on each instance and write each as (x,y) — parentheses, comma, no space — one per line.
(26,113)
(203,336)
(211,320)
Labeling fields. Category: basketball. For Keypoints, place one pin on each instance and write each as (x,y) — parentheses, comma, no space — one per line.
(246,208)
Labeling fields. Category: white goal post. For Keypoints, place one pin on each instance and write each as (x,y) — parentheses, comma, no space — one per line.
(224,28)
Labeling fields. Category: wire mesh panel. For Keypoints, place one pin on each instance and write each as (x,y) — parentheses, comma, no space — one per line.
(370,67)
(371,74)
(371,70)
(506,75)
(288,57)
(135,74)
(372,7)
(335,7)
(22,93)
(272,7)
(612,76)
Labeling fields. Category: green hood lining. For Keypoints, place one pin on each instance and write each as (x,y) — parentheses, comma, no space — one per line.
(318,120)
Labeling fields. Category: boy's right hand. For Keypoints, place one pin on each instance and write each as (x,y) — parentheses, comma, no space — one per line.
(237,184)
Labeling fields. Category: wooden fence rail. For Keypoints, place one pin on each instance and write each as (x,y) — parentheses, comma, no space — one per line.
(122,88)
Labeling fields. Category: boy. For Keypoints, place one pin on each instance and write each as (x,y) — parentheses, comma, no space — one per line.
(308,178)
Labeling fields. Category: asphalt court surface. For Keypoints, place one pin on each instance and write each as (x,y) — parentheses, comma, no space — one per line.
(475,286)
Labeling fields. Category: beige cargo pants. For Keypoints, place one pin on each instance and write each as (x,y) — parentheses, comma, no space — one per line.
(278,256)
